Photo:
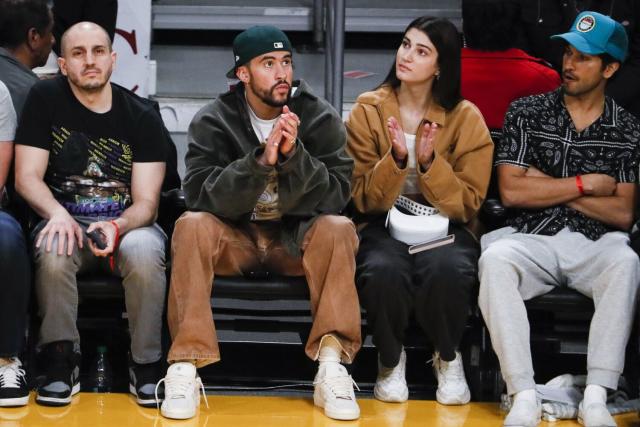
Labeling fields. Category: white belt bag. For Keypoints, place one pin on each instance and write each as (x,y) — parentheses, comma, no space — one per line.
(422,225)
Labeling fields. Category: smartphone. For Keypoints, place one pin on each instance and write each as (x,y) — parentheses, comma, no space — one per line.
(446,240)
(98,238)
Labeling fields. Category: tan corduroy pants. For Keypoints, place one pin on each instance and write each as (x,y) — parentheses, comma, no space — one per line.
(204,245)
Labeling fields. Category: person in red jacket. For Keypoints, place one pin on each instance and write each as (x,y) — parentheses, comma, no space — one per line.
(494,73)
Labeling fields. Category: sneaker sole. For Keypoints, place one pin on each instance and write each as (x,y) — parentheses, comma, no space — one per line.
(179,415)
(14,402)
(581,421)
(334,414)
(58,401)
(466,398)
(146,403)
(382,398)
(175,415)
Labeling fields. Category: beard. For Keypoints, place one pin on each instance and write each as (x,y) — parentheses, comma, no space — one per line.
(91,86)
(267,96)
(579,88)
(43,58)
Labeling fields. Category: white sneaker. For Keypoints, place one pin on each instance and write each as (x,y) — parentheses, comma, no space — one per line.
(523,413)
(333,391)
(595,415)
(452,385)
(13,384)
(391,384)
(181,391)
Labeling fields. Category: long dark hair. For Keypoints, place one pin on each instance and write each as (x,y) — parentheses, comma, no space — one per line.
(444,36)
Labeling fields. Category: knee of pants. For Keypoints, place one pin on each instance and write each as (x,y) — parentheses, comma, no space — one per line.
(379,294)
(499,255)
(446,290)
(626,265)
(384,284)
(335,228)
(443,273)
(624,259)
(50,264)
(142,251)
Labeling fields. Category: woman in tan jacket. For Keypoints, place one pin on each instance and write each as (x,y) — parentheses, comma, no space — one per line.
(416,136)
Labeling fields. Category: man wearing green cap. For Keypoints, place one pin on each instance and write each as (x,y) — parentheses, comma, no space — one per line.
(568,165)
(266,177)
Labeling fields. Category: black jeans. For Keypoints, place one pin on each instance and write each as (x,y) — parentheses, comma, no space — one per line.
(437,286)
(15,286)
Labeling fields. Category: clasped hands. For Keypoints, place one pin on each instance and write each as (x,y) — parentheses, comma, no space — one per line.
(282,138)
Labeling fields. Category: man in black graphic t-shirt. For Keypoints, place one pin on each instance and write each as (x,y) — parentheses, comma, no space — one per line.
(90,158)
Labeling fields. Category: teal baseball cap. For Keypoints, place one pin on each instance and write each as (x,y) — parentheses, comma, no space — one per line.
(256,41)
(594,33)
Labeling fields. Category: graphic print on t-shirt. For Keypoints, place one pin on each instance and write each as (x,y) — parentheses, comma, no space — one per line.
(88,175)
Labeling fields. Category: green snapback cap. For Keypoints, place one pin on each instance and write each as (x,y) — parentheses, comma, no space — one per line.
(256,41)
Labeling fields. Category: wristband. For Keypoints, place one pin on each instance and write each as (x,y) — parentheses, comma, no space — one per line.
(579,185)
(112,261)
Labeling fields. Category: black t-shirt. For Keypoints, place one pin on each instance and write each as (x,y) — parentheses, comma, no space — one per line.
(90,154)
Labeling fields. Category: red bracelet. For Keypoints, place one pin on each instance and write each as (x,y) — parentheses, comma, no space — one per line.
(579,185)
(112,261)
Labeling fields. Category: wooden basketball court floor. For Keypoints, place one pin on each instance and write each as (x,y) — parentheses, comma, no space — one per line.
(120,410)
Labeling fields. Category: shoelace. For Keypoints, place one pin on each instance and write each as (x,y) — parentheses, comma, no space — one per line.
(449,370)
(178,386)
(10,375)
(340,386)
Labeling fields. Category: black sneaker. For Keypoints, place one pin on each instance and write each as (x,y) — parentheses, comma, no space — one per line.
(62,375)
(13,384)
(142,383)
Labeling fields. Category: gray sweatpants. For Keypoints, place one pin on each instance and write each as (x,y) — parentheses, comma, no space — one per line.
(515,267)
(140,261)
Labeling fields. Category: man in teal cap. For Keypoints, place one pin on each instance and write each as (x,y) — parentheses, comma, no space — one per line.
(568,166)
(266,177)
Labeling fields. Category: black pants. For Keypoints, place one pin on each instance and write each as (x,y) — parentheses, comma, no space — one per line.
(437,286)
(15,285)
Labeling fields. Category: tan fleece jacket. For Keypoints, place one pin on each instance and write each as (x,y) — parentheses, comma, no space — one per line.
(457,181)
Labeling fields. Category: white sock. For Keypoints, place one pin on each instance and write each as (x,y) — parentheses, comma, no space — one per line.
(330,350)
(529,395)
(594,393)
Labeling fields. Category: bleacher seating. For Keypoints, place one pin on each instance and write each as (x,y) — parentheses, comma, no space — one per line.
(295,15)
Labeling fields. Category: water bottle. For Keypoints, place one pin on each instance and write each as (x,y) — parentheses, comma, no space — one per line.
(101,374)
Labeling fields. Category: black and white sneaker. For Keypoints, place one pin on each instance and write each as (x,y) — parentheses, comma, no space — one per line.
(62,375)
(13,384)
(142,383)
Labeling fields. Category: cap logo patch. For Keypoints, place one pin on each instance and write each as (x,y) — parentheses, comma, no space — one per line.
(278,45)
(237,58)
(586,24)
